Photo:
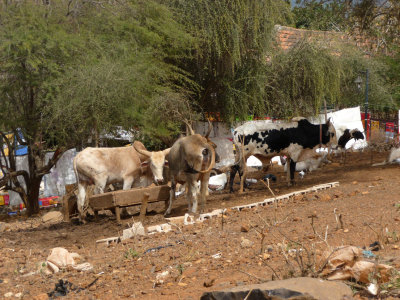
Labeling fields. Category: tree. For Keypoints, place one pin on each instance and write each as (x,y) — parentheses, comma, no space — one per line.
(232,40)
(73,69)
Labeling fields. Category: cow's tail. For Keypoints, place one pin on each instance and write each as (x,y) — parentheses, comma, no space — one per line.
(212,163)
(75,170)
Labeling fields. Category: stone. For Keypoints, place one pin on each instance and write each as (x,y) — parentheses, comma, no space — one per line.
(317,288)
(52,217)
(136,229)
(209,282)
(324,197)
(245,243)
(8,295)
(244,228)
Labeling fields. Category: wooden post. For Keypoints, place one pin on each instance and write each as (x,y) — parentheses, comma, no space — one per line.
(118,214)
(66,207)
(143,207)
(326,114)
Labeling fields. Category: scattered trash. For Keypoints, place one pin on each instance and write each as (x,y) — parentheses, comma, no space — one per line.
(373,289)
(217,182)
(60,258)
(251,180)
(368,254)
(160,277)
(157,248)
(62,288)
(270,177)
(375,246)
(345,263)
(217,255)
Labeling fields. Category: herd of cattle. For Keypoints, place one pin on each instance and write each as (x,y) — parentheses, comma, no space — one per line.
(191,158)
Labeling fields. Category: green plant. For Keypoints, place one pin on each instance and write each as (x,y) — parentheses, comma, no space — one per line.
(131,253)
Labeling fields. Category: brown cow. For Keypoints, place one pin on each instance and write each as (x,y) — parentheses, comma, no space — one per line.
(191,159)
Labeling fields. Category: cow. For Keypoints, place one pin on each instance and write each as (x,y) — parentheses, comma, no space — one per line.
(348,135)
(103,166)
(191,159)
(298,140)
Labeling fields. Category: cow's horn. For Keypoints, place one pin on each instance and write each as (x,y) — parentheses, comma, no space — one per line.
(191,131)
(142,151)
(210,127)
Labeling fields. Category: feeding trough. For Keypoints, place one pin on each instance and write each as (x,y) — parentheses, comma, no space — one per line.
(125,198)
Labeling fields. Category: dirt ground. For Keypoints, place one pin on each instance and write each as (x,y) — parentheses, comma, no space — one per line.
(240,248)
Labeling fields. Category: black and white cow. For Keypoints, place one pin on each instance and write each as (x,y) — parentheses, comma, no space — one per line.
(348,135)
(298,140)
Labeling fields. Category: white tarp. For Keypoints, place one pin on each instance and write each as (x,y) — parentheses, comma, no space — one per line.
(348,118)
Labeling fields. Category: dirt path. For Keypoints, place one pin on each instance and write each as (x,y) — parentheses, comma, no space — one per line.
(220,252)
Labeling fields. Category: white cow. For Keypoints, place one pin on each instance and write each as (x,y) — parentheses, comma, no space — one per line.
(103,166)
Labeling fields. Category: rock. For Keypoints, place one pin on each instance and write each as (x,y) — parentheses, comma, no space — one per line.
(209,282)
(346,230)
(8,295)
(244,228)
(266,256)
(365,193)
(317,288)
(324,197)
(18,295)
(136,229)
(245,243)
(52,217)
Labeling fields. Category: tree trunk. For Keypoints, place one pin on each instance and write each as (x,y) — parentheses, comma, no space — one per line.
(33,195)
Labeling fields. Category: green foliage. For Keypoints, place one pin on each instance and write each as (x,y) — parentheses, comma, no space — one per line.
(321,15)
(299,80)
(232,39)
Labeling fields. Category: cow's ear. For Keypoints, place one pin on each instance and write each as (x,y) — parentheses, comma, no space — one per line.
(328,121)
(144,164)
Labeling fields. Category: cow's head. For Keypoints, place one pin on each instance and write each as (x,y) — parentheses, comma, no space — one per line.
(156,160)
(330,134)
(209,141)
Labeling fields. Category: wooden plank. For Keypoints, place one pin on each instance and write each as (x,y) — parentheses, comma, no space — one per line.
(135,196)
(102,201)
(129,197)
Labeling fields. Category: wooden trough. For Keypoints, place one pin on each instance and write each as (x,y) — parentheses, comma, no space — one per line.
(132,197)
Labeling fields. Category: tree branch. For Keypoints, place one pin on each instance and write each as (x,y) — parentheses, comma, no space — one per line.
(56,156)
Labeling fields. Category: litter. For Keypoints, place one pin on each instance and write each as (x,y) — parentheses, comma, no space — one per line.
(217,255)
(368,254)
(60,258)
(157,248)
(345,263)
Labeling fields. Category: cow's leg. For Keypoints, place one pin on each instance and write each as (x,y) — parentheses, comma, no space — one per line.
(234,170)
(127,183)
(192,195)
(81,200)
(203,191)
(292,170)
(171,196)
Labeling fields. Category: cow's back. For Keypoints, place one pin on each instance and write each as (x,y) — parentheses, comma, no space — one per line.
(114,162)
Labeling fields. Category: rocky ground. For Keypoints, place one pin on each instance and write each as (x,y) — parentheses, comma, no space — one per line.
(251,246)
